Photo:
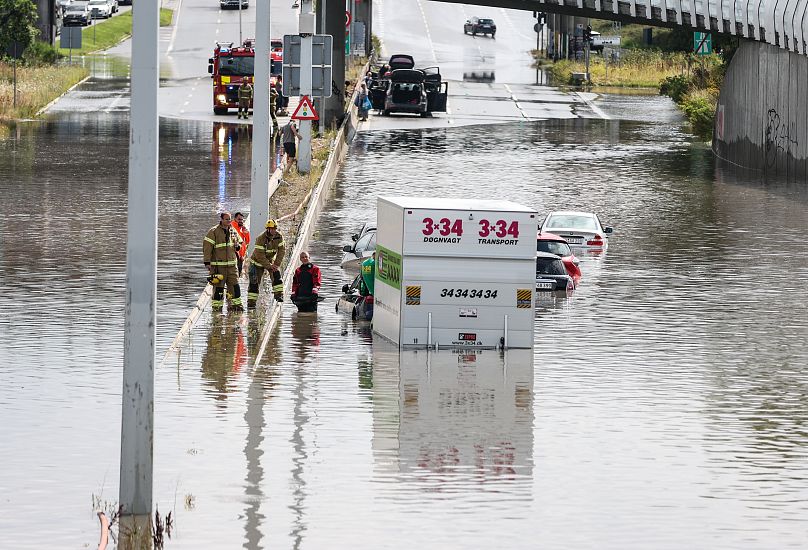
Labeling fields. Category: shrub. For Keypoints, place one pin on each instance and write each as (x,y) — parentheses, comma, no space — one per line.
(675,87)
(699,107)
(41,53)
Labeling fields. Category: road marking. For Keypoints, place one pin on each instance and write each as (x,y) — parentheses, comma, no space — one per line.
(595,108)
(176,26)
(515,101)
(428,34)
(510,23)
(114,103)
(186,103)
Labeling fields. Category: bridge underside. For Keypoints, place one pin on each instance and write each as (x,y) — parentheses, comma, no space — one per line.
(736,18)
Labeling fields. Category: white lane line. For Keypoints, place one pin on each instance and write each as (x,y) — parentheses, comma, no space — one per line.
(186,103)
(515,101)
(511,25)
(174,31)
(114,103)
(595,108)
(428,34)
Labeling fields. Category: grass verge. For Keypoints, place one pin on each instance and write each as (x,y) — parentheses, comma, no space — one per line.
(36,87)
(105,34)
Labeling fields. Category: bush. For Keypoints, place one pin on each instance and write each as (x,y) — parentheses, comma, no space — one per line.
(41,53)
(699,107)
(675,87)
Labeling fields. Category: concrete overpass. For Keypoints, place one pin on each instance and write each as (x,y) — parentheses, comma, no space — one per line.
(762,114)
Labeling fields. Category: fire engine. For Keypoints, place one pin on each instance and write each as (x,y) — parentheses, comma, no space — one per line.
(231,65)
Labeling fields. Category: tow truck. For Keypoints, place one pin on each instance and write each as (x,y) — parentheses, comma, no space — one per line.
(231,65)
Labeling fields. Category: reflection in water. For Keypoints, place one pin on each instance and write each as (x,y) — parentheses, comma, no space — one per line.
(225,354)
(479,76)
(465,418)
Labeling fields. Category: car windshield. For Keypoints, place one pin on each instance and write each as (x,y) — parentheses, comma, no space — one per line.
(554,247)
(237,66)
(549,266)
(366,243)
(571,221)
(486,21)
(76,7)
(98,2)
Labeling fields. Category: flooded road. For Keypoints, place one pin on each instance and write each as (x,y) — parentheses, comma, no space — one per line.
(664,405)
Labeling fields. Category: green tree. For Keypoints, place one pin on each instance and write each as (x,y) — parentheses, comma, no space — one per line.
(17,23)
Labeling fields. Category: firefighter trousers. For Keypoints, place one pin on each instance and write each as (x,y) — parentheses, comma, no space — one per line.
(230,282)
(256,274)
(243,107)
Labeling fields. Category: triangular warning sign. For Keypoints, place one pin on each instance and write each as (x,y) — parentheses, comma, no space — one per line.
(305,110)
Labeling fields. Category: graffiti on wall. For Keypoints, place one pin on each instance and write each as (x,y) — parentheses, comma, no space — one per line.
(781,138)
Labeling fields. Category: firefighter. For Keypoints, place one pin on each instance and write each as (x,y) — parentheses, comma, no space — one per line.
(267,255)
(245,96)
(273,110)
(244,233)
(220,251)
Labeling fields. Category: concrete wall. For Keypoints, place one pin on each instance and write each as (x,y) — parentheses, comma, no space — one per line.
(762,116)
(46,20)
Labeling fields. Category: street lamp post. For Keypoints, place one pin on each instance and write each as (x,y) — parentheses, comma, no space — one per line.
(262,129)
(306,28)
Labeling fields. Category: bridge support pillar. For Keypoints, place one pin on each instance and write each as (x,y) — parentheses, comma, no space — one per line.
(762,114)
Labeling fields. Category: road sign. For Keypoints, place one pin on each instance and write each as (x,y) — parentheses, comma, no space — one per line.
(321,56)
(70,38)
(305,110)
(347,19)
(702,43)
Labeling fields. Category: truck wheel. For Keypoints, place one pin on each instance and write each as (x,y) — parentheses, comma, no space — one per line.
(220,110)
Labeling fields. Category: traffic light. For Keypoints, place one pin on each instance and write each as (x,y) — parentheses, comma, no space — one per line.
(588,33)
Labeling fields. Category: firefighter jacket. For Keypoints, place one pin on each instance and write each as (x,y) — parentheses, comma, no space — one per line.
(269,249)
(219,247)
(245,92)
(244,234)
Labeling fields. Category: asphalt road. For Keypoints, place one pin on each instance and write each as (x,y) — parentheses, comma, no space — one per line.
(490,80)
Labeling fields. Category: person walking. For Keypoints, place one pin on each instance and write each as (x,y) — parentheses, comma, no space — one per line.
(219,251)
(266,256)
(245,97)
(288,135)
(306,284)
(361,101)
(244,234)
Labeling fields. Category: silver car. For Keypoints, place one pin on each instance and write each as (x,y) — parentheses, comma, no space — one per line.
(364,246)
(581,230)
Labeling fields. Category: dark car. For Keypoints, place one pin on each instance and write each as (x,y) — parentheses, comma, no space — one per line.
(398,87)
(551,275)
(360,307)
(476,25)
(77,14)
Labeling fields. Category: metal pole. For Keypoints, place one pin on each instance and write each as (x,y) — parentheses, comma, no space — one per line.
(306,29)
(14,101)
(240,38)
(538,45)
(353,22)
(586,54)
(320,128)
(262,128)
(137,430)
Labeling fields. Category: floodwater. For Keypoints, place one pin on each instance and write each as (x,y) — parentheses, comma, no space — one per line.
(664,406)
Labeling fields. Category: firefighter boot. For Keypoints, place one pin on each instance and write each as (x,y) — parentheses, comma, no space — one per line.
(279,296)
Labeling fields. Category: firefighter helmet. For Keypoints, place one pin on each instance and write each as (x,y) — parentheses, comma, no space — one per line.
(271,223)
(216,279)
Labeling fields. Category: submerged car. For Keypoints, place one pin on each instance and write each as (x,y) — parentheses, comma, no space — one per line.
(477,25)
(551,275)
(398,87)
(580,229)
(360,307)
(363,247)
(554,244)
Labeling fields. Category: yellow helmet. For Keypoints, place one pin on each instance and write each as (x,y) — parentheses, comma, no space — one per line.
(271,223)
(216,279)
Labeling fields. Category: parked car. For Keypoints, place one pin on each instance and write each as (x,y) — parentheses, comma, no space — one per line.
(580,229)
(100,9)
(360,307)
(224,4)
(363,247)
(63,4)
(549,242)
(113,5)
(551,275)
(77,14)
(476,25)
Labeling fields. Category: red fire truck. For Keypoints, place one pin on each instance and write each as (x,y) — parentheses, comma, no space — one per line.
(230,66)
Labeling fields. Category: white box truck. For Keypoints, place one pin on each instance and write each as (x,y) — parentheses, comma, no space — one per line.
(455,272)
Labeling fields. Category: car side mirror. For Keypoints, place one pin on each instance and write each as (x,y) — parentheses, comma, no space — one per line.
(608,230)
(355,237)
(346,289)
(210,69)
(347,248)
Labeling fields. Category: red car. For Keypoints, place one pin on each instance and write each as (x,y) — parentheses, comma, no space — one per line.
(552,243)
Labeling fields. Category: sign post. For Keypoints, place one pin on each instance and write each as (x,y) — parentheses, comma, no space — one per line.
(306,30)
(702,43)
(262,129)
(69,39)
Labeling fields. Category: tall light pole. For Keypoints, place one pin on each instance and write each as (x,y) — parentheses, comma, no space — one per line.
(306,30)
(137,429)
(262,129)
(240,38)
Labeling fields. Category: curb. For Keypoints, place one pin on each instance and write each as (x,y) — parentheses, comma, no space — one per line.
(70,89)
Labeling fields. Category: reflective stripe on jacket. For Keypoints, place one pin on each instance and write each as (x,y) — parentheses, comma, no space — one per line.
(268,250)
(219,246)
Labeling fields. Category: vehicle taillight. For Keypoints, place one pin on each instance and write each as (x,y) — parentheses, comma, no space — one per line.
(570,285)
(368,299)
(597,240)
